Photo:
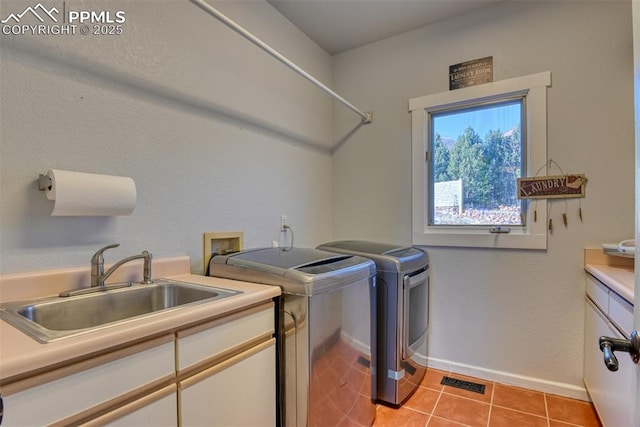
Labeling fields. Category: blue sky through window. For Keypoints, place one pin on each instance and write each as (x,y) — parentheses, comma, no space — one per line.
(502,116)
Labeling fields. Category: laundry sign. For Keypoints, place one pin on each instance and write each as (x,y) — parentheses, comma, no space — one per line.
(471,73)
(552,187)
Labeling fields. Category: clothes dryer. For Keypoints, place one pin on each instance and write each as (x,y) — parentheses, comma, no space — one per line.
(403,314)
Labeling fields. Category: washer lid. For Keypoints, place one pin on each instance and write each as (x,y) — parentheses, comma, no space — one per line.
(299,271)
(388,257)
(365,246)
(281,259)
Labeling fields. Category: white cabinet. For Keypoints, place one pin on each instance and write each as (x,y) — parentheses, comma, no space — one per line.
(610,391)
(238,392)
(227,371)
(79,390)
(159,409)
(209,342)
(221,372)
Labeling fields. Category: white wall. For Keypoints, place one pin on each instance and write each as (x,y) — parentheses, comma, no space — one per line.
(217,135)
(504,314)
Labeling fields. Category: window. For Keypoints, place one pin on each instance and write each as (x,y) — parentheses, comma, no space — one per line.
(469,146)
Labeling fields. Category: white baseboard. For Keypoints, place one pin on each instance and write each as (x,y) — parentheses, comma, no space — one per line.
(357,344)
(560,389)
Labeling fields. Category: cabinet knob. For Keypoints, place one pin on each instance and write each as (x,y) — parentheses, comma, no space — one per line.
(610,345)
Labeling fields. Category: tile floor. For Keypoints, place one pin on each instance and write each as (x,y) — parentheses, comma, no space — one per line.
(435,405)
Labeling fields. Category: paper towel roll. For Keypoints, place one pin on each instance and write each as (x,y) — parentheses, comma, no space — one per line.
(90,194)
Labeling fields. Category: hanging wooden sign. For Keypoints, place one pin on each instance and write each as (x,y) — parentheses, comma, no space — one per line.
(552,187)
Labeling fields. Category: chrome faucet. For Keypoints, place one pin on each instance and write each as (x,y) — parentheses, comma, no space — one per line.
(98,275)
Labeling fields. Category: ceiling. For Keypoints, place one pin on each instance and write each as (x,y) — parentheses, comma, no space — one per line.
(339,25)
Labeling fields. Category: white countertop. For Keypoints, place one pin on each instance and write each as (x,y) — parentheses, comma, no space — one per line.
(21,354)
(619,278)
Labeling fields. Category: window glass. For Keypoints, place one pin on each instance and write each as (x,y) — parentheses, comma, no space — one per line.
(475,162)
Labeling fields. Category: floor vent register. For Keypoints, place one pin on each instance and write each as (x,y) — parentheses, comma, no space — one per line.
(464,385)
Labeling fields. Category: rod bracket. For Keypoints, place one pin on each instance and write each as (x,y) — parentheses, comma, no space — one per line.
(44,182)
(368,117)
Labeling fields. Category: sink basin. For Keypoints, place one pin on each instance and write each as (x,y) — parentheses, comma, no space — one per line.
(53,318)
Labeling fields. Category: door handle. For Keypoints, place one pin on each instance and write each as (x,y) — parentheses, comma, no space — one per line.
(610,345)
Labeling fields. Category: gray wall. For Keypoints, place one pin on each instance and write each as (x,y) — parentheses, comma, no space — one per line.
(507,314)
(217,135)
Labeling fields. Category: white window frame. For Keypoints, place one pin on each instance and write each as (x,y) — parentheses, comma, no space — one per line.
(533,235)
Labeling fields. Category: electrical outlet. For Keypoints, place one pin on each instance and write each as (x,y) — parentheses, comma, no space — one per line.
(283,222)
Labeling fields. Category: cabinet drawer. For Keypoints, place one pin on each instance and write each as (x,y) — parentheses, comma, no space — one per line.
(54,400)
(621,313)
(206,342)
(598,293)
(156,409)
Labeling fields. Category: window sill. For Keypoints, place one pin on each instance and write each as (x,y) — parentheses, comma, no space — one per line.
(481,240)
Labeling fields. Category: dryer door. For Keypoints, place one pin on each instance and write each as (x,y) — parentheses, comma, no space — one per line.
(415,312)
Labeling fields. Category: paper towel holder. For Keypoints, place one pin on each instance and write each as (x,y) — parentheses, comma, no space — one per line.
(88,194)
(44,182)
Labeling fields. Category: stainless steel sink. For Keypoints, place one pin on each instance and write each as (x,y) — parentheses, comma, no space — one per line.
(54,318)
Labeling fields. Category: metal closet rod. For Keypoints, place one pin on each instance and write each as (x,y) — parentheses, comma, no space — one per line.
(366,117)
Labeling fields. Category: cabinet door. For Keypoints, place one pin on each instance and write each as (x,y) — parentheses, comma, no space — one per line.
(159,409)
(610,391)
(75,395)
(240,391)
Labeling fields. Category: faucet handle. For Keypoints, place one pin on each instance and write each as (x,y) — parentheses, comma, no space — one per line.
(146,275)
(97,258)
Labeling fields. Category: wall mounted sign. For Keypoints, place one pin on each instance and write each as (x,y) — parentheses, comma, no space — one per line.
(552,187)
(471,73)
